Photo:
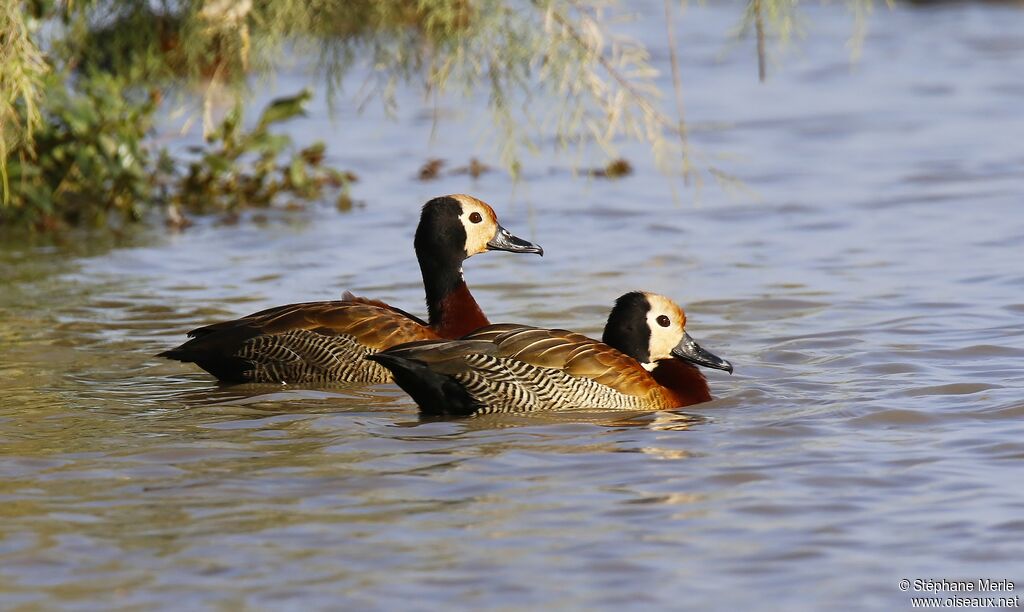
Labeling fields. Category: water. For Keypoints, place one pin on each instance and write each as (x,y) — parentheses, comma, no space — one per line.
(871,298)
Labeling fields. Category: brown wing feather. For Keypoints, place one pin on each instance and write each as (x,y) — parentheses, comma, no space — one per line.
(311,341)
(372,323)
(512,368)
(444,356)
(348,296)
(573,353)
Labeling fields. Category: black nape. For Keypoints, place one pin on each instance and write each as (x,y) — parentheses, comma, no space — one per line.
(440,234)
(627,329)
(440,249)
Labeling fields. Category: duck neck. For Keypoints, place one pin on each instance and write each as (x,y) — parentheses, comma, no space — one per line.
(683,383)
(452,311)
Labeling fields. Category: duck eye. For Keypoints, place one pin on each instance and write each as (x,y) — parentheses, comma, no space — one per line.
(475,217)
(663,321)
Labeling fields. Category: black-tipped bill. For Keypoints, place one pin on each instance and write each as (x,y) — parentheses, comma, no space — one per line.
(689,350)
(504,241)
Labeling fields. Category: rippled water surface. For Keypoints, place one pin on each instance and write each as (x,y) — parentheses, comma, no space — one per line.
(870,295)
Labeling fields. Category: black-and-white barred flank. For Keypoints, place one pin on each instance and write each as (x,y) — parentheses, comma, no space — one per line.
(509,385)
(305,356)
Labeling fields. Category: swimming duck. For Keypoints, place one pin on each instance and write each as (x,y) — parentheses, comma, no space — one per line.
(327,341)
(645,361)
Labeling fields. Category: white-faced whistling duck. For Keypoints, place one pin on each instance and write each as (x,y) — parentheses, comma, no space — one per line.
(646,361)
(324,342)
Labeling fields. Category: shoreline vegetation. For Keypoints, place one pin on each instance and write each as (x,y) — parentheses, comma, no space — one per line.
(83,83)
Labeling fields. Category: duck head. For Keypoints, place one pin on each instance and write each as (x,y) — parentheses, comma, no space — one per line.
(460,226)
(650,328)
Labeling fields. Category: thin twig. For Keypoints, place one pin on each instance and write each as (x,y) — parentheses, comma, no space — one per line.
(759,24)
(677,83)
(622,81)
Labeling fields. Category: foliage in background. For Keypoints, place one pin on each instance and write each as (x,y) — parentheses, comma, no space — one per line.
(520,54)
(22,70)
(87,159)
(91,164)
(219,180)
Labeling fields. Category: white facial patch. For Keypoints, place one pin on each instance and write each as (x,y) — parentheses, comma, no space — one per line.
(664,338)
(480,233)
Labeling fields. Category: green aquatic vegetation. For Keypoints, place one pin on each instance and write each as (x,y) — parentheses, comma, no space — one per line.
(239,168)
(91,163)
(617,168)
(22,72)
(87,160)
(546,68)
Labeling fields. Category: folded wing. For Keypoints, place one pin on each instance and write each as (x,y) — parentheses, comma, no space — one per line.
(512,368)
(307,342)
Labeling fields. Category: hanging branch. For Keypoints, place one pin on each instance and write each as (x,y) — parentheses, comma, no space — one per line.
(677,83)
(624,83)
(759,24)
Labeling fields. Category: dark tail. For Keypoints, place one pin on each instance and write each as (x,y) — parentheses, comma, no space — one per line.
(175,353)
(227,368)
(436,394)
(214,348)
